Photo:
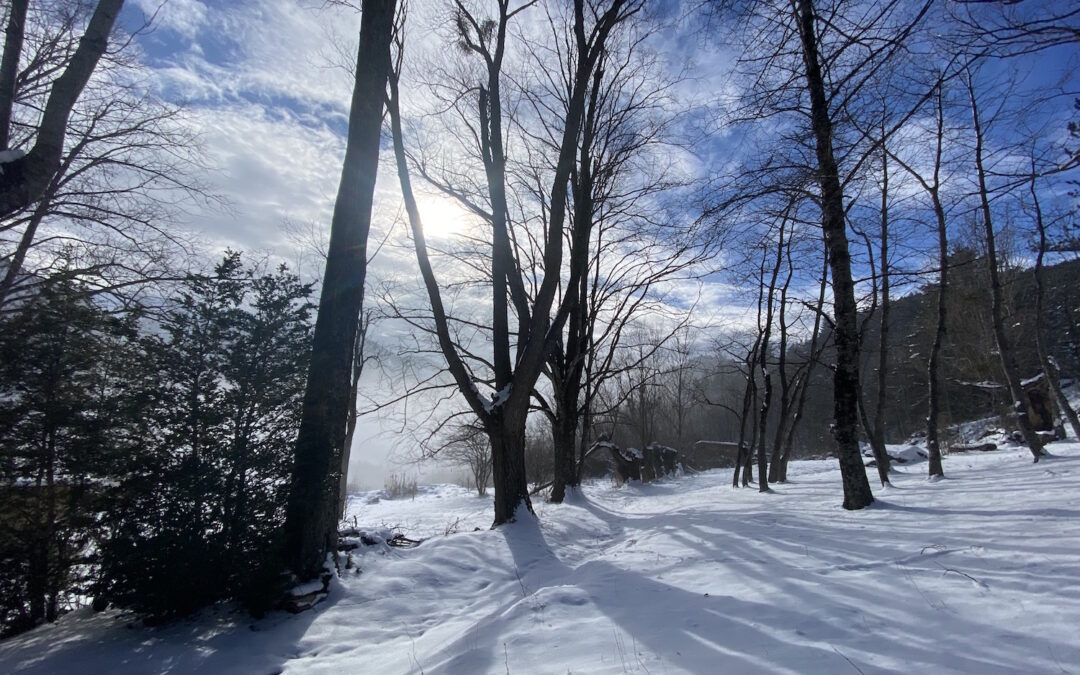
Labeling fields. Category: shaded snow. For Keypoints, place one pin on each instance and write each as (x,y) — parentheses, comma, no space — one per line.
(979,573)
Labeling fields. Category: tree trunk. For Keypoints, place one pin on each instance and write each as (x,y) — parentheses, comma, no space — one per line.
(9,66)
(877,435)
(350,424)
(507,434)
(744,460)
(781,369)
(933,443)
(740,457)
(569,367)
(814,355)
(311,522)
(1005,350)
(763,364)
(14,267)
(857,492)
(563,433)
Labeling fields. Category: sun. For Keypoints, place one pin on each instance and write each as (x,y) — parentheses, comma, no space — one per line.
(443,217)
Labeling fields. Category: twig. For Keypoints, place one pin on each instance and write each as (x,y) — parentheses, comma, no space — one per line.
(848,660)
(524,592)
(978,583)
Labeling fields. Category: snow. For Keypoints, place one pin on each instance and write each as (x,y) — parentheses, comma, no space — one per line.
(498,399)
(1032,380)
(7,156)
(11,155)
(902,454)
(979,573)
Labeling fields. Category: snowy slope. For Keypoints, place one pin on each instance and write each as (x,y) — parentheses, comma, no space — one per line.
(977,574)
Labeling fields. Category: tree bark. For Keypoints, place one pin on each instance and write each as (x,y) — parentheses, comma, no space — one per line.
(781,370)
(763,364)
(15,264)
(1008,358)
(857,492)
(364,321)
(933,384)
(9,66)
(311,522)
(26,178)
(877,436)
(813,356)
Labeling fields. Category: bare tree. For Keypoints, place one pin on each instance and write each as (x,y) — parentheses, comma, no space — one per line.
(504,414)
(1049,366)
(932,186)
(634,246)
(846,379)
(26,176)
(802,386)
(765,322)
(469,448)
(1009,365)
(108,213)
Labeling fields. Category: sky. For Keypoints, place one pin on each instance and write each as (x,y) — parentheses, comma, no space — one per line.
(263,83)
(267,84)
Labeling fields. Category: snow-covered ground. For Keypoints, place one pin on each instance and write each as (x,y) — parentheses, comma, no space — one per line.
(979,573)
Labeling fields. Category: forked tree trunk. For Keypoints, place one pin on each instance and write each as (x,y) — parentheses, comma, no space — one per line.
(857,492)
(311,517)
(569,367)
(504,417)
(763,364)
(1009,365)
(745,460)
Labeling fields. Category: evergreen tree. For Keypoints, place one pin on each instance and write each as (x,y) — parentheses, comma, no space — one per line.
(204,503)
(66,422)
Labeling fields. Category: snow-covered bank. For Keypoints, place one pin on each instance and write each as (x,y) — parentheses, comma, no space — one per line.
(979,573)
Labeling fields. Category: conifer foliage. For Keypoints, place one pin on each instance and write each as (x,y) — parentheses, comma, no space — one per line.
(148,460)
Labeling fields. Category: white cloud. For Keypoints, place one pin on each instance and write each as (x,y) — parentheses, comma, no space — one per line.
(184,17)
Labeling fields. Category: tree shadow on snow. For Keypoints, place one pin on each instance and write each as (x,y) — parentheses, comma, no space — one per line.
(215,641)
